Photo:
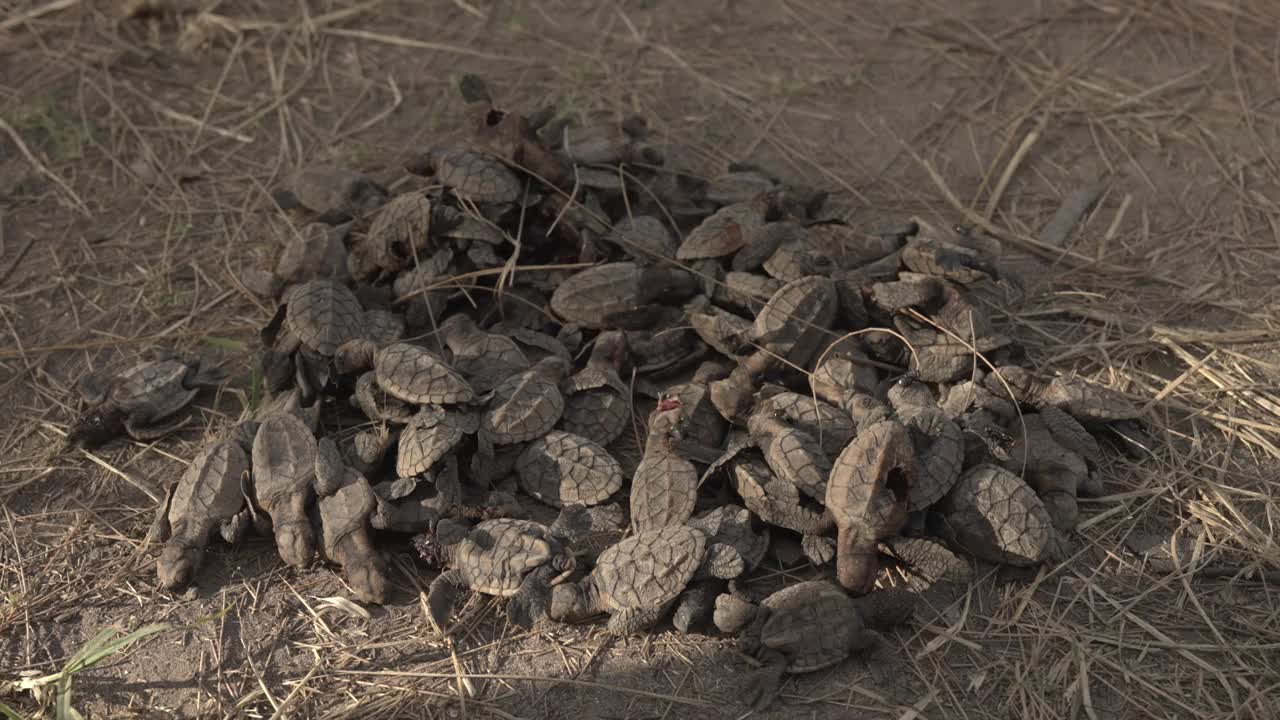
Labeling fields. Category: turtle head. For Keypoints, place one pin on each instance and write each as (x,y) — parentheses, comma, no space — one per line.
(96,427)
(568,603)
(177,566)
(433,543)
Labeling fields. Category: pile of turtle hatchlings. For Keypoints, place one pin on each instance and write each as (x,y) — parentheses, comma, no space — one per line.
(695,374)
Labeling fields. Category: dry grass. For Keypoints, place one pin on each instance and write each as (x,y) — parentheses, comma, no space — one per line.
(133,183)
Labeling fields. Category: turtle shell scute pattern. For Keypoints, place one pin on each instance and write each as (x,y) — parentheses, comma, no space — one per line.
(495,555)
(324,315)
(562,468)
(663,491)
(813,624)
(524,407)
(427,437)
(416,375)
(995,515)
(649,568)
(479,177)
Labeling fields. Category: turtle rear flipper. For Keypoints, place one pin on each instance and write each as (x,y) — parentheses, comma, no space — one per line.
(695,605)
(573,522)
(819,549)
(767,682)
(722,561)
(633,621)
(441,596)
(160,529)
(733,612)
(156,429)
(531,601)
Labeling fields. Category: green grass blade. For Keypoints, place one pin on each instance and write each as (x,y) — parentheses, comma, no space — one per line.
(9,713)
(101,645)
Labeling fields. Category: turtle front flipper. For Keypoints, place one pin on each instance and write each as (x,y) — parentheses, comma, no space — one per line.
(633,621)
(733,612)
(768,682)
(154,430)
(441,596)
(179,559)
(160,529)
(532,601)
(722,561)
(695,605)
(94,387)
(236,527)
(818,548)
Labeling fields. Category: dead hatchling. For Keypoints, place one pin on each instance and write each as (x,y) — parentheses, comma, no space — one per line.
(997,517)
(209,497)
(637,580)
(332,193)
(517,559)
(807,627)
(346,540)
(144,402)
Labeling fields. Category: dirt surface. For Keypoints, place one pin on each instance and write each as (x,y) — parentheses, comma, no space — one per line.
(136,159)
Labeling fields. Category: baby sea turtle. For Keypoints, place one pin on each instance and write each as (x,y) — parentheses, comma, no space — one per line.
(410,373)
(333,193)
(781,504)
(344,523)
(867,496)
(284,478)
(143,402)
(429,436)
(312,321)
(793,454)
(664,488)
(644,237)
(597,403)
(827,424)
(939,442)
(637,580)
(728,230)
(523,407)
(1053,471)
(475,176)
(485,359)
(810,626)
(209,497)
(561,469)
(1087,402)
(731,525)
(516,559)
(620,295)
(997,517)
(928,560)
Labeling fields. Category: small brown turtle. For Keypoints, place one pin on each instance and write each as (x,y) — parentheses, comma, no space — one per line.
(410,373)
(429,436)
(620,295)
(332,192)
(793,454)
(523,407)
(284,480)
(344,522)
(796,320)
(997,517)
(143,402)
(739,184)
(810,626)
(517,559)
(637,580)
(562,469)
(664,489)
(1085,401)
(724,331)
(781,504)
(399,233)
(1053,471)
(696,420)
(475,176)
(377,404)
(315,252)
(728,230)
(644,237)
(597,403)
(830,426)
(209,497)
(867,496)
(485,359)
(745,291)
(939,442)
